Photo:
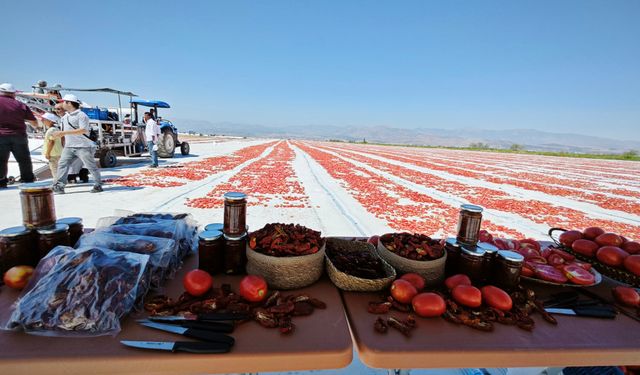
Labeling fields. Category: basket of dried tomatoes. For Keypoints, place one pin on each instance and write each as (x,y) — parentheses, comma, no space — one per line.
(287,256)
(416,253)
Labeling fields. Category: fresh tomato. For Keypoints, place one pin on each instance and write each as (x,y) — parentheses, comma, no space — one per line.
(609,239)
(530,242)
(197,282)
(626,296)
(428,305)
(455,280)
(496,298)
(17,277)
(566,256)
(578,275)
(527,271)
(631,247)
(373,240)
(467,295)
(403,291)
(416,280)
(592,232)
(555,260)
(632,264)
(567,238)
(253,288)
(611,255)
(585,247)
(549,273)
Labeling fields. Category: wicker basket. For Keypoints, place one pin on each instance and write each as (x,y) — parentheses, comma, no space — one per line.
(431,270)
(352,283)
(286,272)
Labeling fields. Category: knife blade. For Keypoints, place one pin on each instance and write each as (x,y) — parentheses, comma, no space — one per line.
(603,313)
(180,346)
(213,317)
(222,327)
(193,333)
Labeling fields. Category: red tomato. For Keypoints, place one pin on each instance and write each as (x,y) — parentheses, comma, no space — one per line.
(566,256)
(403,291)
(528,252)
(555,260)
(530,242)
(373,240)
(549,273)
(416,280)
(578,275)
(253,288)
(631,247)
(455,280)
(17,277)
(484,236)
(467,295)
(609,239)
(585,247)
(428,305)
(197,282)
(632,264)
(527,271)
(567,238)
(496,298)
(583,265)
(611,255)
(501,243)
(536,260)
(626,296)
(592,232)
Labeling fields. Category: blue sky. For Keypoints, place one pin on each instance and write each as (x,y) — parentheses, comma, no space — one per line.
(550,65)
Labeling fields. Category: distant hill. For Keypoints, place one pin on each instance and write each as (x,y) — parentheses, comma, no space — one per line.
(530,139)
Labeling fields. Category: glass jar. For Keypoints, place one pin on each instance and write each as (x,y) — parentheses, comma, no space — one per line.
(49,238)
(235,214)
(38,207)
(235,254)
(453,256)
(490,253)
(16,248)
(214,227)
(469,224)
(507,269)
(76,229)
(211,252)
(471,262)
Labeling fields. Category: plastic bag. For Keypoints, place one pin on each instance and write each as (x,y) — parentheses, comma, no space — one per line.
(80,292)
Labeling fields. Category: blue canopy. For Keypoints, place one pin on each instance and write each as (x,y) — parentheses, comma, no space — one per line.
(151,103)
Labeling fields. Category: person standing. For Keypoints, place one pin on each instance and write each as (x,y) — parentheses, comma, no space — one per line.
(78,145)
(13,135)
(52,147)
(152,134)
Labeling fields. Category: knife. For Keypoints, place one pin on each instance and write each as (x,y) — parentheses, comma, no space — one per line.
(212,317)
(222,327)
(180,346)
(193,333)
(592,312)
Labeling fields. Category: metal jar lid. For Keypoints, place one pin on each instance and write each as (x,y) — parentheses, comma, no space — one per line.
(511,256)
(235,196)
(471,208)
(488,248)
(58,228)
(214,226)
(473,251)
(15,231)
(36,187)
(235,238)
(210,235)
(452,241)
(70,220)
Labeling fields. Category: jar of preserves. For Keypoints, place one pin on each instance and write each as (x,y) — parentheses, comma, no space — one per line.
(213,227)
(453,256)
(38,207)
(469,224)
(235,254)
(471,263)
(48,238)
(76,229)
(235,214)
(507,269)
(211,252)
(490,252)
(17,248)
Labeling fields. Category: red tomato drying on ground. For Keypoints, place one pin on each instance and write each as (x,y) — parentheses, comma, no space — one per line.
(373,240)
(17,277)
(467,295)
(585,247)
(496,298)
(197,282)
(253,288)
(549,273)
(567,238)
(428,305)
(632,264)
(455,280)
(592,232)
(578,275)
(631,247)
(403,291)
(626,296)
(609,239)
(416,280)
(611,255)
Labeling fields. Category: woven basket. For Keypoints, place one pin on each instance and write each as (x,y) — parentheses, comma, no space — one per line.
(286,272)
(431,270)
(352,283)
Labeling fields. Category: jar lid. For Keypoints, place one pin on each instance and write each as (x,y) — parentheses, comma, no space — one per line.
(69,220)
(473,251)
(235,196)
(214,226)
(58,228)
(487,247)
(210,235)
(36,186)
(235,238)
(15,231)
(511,256)
(452,241)
(471,208)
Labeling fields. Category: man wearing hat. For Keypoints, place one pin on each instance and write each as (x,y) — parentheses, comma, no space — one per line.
(13,134)
(52,147)
(78,145)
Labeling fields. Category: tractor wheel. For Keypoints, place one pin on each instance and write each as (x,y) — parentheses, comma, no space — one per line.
(184,148)
(167,144)
(108,159)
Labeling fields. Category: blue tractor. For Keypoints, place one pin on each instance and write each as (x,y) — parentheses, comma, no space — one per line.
(168,141)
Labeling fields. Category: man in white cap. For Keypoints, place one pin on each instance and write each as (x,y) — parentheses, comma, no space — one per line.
(52,147)
(13,134)
(78,145)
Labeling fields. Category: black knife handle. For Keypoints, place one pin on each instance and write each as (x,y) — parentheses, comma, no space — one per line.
(209,336)
(201,347)
(222,327)
(604,313)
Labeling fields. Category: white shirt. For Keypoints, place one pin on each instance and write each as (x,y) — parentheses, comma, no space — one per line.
(151,130)
(73,121)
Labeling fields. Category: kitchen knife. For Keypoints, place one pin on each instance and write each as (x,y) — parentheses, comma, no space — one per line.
(181,346)
(222,327)
(213,317)
(193,333)
(592,312)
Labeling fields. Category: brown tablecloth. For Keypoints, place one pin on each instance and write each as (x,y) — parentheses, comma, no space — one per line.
(321,341)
